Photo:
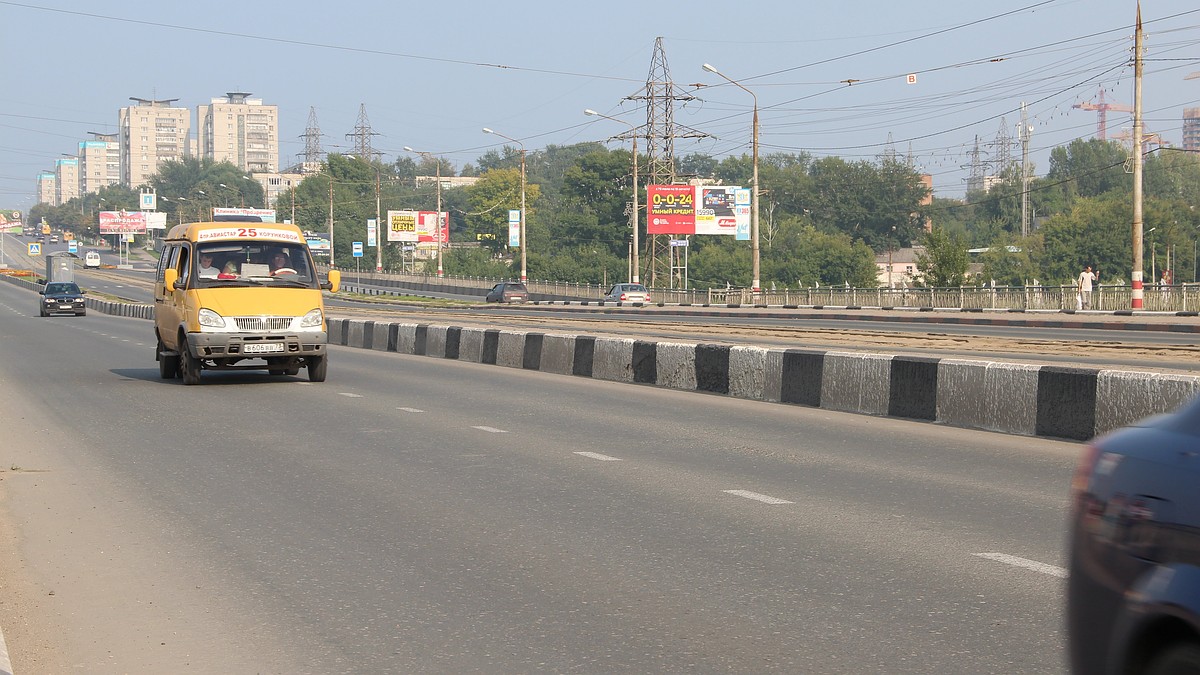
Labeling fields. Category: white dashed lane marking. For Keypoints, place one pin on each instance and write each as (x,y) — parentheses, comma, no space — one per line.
(1052,570)
(757,497)
(411,410)
(491,430)
(596,455)
(349,395)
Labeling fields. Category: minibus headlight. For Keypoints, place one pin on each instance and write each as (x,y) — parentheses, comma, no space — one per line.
(211,319)
(311,320)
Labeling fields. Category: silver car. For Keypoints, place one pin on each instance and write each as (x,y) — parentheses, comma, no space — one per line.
(634,293)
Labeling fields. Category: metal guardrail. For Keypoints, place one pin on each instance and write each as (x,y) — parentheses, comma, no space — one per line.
(1177,298)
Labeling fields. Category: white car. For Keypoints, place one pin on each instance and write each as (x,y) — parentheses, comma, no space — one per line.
(91,259)
(634,293)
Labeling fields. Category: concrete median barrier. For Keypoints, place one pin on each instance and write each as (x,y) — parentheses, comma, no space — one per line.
(1026,399)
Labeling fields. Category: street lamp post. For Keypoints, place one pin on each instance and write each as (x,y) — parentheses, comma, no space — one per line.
(178,207)
(438,218)
(523,266)
(754,178)
(231,189)
(634,276)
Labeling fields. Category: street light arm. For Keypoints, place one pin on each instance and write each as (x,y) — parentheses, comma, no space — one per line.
(524,269)
(437,159)
(634,262)
(732,81)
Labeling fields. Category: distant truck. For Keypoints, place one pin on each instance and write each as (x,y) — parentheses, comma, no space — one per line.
(60,266)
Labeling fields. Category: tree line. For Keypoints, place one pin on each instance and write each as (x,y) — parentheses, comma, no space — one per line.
(822,220)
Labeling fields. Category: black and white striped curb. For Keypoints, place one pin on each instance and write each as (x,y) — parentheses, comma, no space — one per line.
(1071,403)
(1033,400)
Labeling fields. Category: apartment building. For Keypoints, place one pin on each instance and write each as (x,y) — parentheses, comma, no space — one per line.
(46,189)
(99,163)
(1191,129)
(241,130)
(151,132)
(66,180)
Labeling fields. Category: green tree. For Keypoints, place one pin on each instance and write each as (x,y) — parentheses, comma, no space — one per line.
(803,256)
(1010,260)
(944,261)
(1092,166)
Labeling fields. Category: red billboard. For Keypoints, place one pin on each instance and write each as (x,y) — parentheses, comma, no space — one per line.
(122,222)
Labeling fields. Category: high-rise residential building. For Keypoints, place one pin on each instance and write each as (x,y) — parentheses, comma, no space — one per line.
(240,130)
(1191,129)
(274,184)
(99,163)
(66,179)
(46,193)
(151,132)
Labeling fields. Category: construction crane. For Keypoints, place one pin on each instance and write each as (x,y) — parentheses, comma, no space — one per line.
(1148,138)
(1102,108)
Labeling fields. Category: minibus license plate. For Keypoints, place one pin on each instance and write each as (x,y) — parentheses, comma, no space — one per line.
(262,347)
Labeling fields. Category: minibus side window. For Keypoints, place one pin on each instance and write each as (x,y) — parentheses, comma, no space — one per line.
(182,264)
(163,262)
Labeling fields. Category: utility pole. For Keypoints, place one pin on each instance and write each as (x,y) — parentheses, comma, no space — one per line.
(378,240)
(1026,132)
(331,222)
(1137,291)
(437,159)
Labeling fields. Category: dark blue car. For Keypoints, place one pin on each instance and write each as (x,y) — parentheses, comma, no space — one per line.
(1133,594)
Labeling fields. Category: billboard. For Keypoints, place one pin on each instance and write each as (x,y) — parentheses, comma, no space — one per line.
(417,226)
(267,215)
(697,209)
(122,222)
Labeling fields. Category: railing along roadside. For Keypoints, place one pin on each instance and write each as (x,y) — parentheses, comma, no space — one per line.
(1177,298)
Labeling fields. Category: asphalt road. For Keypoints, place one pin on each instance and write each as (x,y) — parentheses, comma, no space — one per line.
(420,515)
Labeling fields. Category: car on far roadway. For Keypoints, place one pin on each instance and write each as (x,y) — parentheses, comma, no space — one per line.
(61,297)
(91,259)
(508,291)
(628,293)
(1133,589)
(54,239)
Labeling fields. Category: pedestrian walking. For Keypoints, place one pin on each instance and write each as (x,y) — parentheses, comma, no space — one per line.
(1086,277)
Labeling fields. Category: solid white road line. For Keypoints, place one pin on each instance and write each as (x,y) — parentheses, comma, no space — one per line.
(5,664)
(491,430)
(596,455)
(757,497)
(1052,570)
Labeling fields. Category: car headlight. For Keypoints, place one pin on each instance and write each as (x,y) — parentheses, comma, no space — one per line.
(209,318)
(311,320)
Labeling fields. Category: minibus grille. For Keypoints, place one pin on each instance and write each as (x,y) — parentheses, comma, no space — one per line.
(259,323)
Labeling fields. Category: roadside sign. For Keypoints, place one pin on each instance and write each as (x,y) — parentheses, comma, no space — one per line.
(72,247)
(358,249)
(35,248)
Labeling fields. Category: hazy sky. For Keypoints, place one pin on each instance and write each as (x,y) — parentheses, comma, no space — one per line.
(431,75)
